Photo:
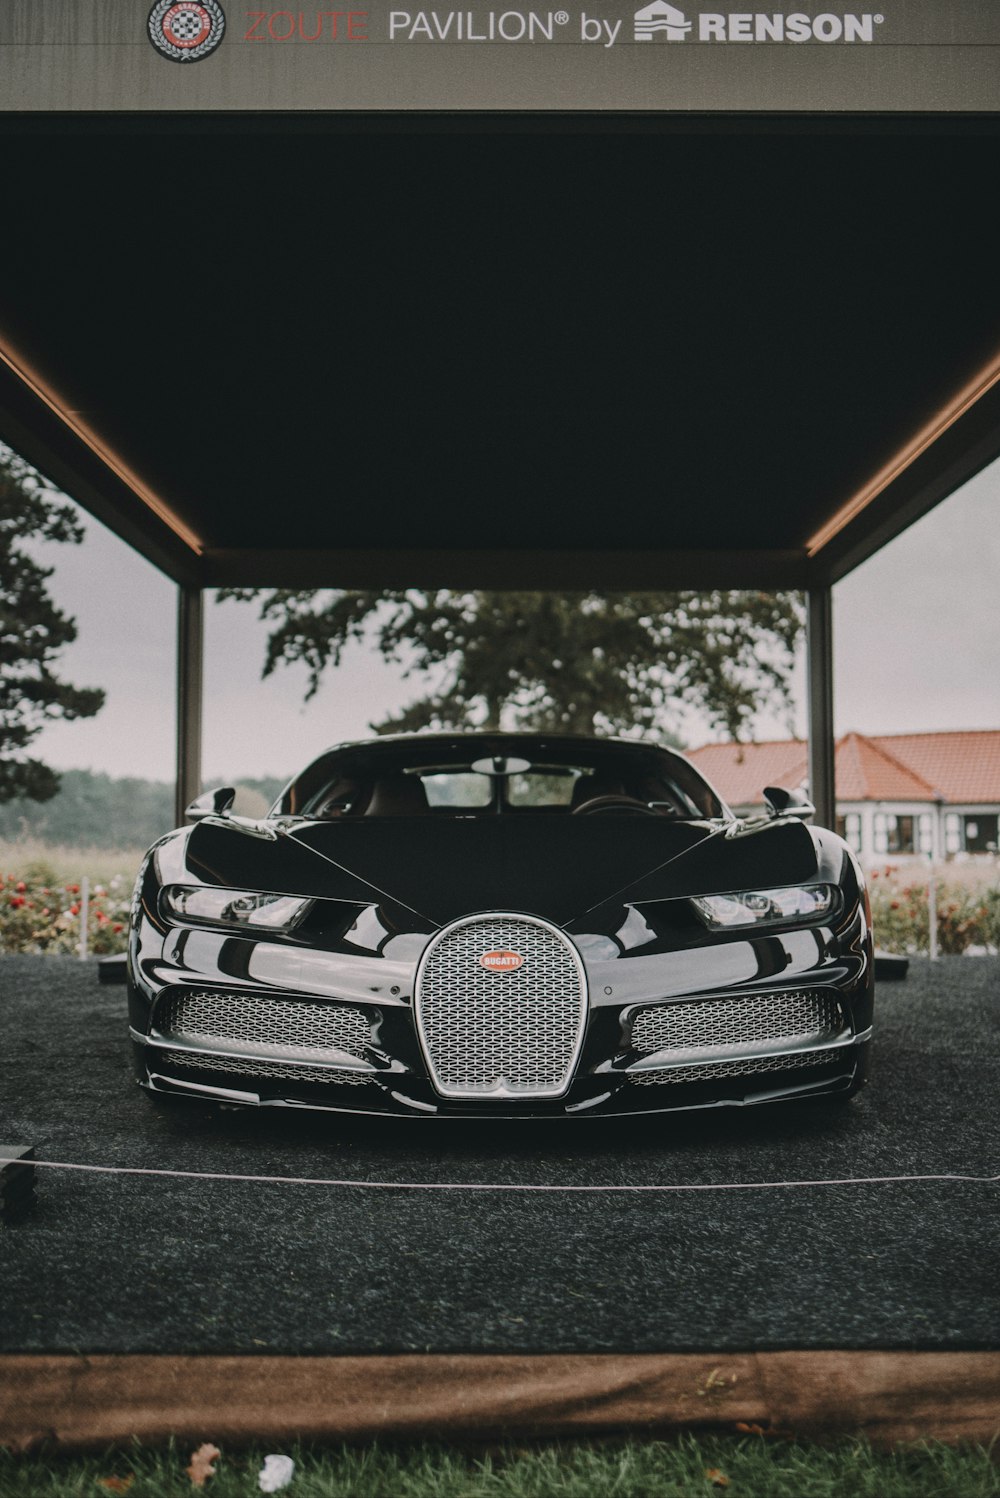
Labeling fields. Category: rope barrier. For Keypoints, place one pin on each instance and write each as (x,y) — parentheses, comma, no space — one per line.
(527,1189)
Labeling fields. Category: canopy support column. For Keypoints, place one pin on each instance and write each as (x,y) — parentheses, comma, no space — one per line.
(190,675)
(819,643)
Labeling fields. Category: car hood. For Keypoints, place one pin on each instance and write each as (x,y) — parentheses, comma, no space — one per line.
(440,869)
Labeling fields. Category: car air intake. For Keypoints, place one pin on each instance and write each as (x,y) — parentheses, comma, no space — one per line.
(263,1026)
(273,1071)
(752,1067)
(805,1016)
(501,1006)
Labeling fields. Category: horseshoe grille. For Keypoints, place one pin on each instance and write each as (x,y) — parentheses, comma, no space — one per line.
(513,1034)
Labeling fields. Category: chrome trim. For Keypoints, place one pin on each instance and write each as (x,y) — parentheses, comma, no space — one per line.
(181,1089)
(175,1088)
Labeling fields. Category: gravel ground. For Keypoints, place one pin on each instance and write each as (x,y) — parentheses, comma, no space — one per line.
(133,1264)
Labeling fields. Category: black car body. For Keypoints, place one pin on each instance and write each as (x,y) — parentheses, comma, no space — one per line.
(500,925)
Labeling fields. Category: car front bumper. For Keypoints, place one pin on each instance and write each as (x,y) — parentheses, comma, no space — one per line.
(376,1062)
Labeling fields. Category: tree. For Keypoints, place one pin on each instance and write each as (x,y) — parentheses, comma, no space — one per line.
(551,661)
(32,631)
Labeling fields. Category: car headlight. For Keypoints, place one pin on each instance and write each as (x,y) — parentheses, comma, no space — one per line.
(765,907)
(235,907)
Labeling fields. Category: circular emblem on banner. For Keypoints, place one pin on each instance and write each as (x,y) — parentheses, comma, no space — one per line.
(186,30)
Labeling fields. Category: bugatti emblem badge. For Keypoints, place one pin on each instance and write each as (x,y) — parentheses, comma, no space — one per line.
(501,961)
(186,30)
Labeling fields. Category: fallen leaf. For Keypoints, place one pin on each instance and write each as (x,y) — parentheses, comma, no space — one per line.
(116,1484)
(201,1464)
(768,1432)
(717,1478)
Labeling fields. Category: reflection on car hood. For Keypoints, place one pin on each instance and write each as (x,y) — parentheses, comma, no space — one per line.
(443,868)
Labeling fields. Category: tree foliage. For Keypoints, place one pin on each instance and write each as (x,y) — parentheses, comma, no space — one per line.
(94,810)
(573,662)
(32,632)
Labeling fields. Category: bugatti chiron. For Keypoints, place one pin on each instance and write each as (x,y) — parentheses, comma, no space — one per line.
(500,925)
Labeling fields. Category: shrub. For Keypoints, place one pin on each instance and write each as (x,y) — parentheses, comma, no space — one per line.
(967,915)
(38,913)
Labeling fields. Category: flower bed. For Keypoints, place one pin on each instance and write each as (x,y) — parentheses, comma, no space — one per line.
(38,913)
(968,912)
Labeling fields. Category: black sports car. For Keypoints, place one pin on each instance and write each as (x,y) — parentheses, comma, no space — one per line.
(500,925)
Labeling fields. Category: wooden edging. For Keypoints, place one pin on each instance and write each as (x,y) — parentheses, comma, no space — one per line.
(80,1402)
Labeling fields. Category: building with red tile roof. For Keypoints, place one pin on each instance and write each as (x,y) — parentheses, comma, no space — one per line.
(935,794)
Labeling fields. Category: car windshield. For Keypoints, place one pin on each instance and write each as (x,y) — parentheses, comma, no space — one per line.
(516,775)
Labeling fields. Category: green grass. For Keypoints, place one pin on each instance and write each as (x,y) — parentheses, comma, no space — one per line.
(755,1468)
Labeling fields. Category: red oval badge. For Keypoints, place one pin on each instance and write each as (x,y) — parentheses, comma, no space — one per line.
(501,961)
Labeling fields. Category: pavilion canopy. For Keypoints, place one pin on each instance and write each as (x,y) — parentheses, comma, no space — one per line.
(592,350)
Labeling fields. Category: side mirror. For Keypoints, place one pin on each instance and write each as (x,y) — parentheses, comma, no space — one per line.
(211,804)
(784,803)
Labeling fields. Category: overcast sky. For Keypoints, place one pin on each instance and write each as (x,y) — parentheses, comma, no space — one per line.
(917,635)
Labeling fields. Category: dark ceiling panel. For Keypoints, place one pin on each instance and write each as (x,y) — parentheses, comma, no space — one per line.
(329,339)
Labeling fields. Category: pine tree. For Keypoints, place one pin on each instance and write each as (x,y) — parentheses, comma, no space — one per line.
(32,631)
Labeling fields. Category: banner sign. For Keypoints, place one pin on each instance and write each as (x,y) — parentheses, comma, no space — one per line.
(567,55)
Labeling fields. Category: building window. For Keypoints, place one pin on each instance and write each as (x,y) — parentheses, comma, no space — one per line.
(926,824)
(971,832)
(979,833)
(849,828)
(894,834)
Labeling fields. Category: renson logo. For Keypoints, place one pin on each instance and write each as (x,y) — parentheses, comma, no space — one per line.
(659,18)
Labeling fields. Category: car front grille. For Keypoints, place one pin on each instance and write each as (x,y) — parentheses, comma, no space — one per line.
(802,1016)
(278,1071)
(501,1033)
(749,1066)
(274,1027)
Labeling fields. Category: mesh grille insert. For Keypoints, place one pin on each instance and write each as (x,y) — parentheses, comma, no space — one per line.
(518,1031)
(714,1069)
(278,1071)
(804,1016)
(277,1027)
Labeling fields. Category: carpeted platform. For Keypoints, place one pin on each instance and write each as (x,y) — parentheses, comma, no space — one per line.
(131,1264)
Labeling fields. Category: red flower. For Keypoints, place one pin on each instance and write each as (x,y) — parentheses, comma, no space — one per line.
(21,887)
(116,928)
(72,889)
(74,910)
(16,901)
